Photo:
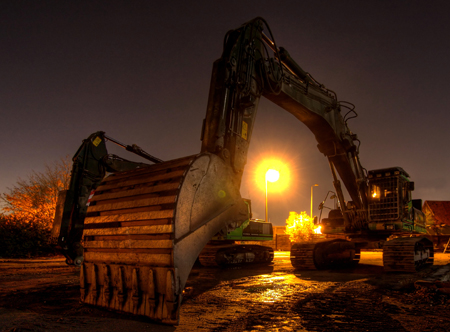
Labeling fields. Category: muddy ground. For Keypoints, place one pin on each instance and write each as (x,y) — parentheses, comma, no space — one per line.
(43,295)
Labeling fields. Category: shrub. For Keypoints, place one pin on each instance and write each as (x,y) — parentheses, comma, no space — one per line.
(24,238)
(300,227)
(28,212)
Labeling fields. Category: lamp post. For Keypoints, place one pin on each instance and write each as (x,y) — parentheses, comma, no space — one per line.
(316,185)
(272,176)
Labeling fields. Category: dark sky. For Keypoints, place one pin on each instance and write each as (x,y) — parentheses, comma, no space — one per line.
(140,71)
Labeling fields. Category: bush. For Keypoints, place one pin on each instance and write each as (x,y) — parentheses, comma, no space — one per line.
(28,212)
(24,239)
(300,227)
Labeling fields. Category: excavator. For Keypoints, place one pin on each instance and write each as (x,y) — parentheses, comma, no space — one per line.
(390,214)
(137,236)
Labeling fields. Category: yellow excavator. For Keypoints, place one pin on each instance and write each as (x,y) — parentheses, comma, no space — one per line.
(137,232)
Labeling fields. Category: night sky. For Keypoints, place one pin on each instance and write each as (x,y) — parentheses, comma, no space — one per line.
(140,71)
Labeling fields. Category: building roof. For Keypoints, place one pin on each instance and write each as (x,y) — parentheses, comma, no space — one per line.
(440,210)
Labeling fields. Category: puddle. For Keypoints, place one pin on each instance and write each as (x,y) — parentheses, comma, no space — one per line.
(268,288)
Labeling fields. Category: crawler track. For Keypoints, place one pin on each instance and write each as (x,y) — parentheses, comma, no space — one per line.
(235,254)
(302,255)
(324,253)
(407,254)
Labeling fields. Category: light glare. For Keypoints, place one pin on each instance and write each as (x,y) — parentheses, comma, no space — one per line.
(281,184)
(272,175)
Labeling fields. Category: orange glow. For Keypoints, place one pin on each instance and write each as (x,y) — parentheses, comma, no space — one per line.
(284,175)
(300,227)
(318,230)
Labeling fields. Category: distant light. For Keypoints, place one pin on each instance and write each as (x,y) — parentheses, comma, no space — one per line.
(272,175)
(281,184)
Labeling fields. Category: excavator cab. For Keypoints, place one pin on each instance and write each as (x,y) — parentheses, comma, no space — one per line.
(334,223)
(390,205)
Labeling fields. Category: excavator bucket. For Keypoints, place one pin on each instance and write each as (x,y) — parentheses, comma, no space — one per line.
(145,228)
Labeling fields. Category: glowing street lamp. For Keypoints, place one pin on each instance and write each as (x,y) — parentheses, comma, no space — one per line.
(316,185)
(272,176)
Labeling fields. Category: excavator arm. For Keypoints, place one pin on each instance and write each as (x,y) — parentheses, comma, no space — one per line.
(252,66)
(319,109)
(91,163)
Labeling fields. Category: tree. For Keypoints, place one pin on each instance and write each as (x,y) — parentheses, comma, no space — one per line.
(29,209)
(300,227)
(35,198)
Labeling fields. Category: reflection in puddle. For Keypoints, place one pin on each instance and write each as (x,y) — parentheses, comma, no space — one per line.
(268,288)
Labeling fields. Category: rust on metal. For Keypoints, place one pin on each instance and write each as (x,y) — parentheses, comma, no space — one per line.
(145,228)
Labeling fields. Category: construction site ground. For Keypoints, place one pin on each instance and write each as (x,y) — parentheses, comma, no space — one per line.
(43,295)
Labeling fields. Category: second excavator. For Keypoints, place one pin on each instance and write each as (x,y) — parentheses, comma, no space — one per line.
(145,227)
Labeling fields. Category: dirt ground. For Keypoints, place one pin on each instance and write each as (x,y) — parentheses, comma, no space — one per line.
(43,295)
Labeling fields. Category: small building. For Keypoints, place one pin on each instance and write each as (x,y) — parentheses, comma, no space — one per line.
(437,215)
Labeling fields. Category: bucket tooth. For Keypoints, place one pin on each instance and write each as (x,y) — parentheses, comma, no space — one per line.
(120,289)
(135,291)
(82,283)
(150,303)
(159,310)
(147,227)
(94,289)
(106,285)
(170,303)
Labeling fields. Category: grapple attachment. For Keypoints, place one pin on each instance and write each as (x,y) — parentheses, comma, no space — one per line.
(145,228)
